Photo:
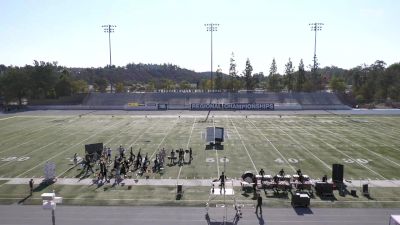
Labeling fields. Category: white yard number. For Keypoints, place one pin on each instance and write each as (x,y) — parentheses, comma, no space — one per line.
(21,159)
(210,160)
(362,161)
(222,160)
(291,160)
(13,158)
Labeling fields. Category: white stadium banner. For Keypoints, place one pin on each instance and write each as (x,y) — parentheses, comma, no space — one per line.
(232,106)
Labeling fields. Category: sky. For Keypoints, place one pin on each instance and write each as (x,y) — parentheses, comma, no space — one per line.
(172,31)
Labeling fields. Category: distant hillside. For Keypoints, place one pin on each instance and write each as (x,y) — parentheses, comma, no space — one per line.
(140,73)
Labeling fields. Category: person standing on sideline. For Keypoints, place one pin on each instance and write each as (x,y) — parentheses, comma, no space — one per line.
(222,178)
(259,203)
(190,155)
(31,182)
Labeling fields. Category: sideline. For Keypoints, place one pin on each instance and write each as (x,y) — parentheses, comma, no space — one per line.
(188,182)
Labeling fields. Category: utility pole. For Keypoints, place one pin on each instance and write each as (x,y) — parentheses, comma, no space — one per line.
(109,29)
(212,27)
(315,27)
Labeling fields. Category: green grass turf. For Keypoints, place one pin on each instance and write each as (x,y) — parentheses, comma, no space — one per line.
(368,146)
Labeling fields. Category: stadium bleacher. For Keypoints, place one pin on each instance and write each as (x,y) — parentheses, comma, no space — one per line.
(316,100)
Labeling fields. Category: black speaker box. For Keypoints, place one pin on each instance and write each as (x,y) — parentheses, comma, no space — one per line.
(365,188)
(94,148)
(337,173)
(324,188)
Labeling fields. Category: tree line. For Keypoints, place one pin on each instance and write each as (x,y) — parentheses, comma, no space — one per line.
(38,81)
(43,80)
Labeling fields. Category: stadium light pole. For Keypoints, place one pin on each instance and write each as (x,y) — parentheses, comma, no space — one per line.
(315,27)
(211,27)
(109,29)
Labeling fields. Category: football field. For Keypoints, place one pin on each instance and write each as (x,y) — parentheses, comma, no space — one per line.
(367,146)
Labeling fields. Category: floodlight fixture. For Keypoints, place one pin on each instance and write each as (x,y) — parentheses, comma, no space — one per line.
(109,29)
(315,27)
(211,27)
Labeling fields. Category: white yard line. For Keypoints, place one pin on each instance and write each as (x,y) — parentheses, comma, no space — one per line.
(380,142)
(187,146)
(376,128)
(62,152)
(336,149)
(373,140)
(25,137)
(141,134)
(105,143)
(191,132)
(158,146)
(18,135)
(8,118)
(248,154)
(341,137)
(386,125)
(38,149)
(20,123)
(284,158)
(302,146)
(216,150)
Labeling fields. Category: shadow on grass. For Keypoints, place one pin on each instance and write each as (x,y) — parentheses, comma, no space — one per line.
(279,195)
(43,185)
(368,196)
(245,194)
(23,200)
(331,198)
(260,219)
